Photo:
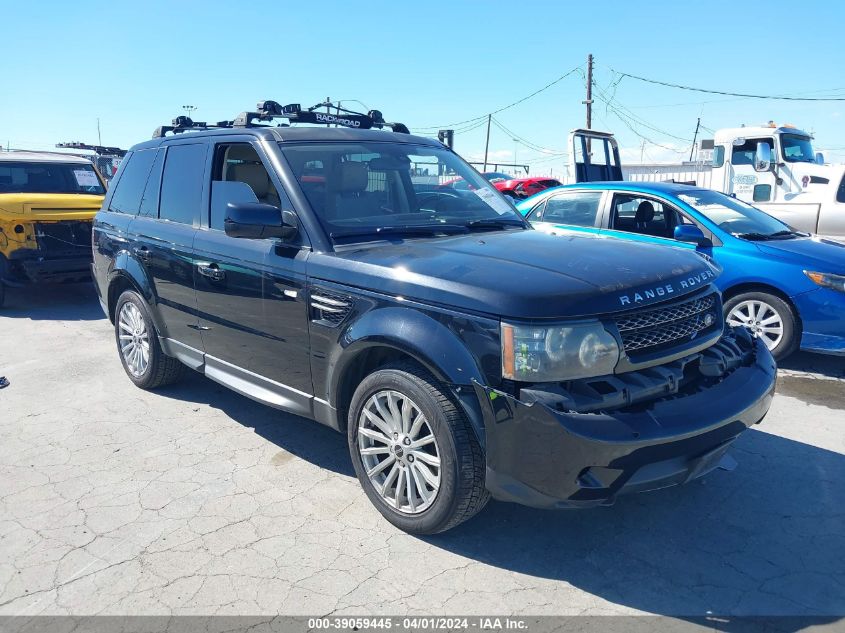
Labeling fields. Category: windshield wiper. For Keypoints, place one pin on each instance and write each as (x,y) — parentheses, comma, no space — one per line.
(753,236)
(768,236)
(492,223)
(407,229)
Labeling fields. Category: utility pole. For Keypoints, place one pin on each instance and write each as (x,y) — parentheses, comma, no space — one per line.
(694,137)
(589,101)
(487,144)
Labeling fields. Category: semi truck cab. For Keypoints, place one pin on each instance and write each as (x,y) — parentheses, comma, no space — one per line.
(777,170)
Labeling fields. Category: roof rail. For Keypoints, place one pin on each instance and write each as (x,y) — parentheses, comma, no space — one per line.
(97,149)
(184,124)
(334,115)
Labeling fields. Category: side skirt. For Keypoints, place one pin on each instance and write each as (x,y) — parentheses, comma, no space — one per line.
(252,385)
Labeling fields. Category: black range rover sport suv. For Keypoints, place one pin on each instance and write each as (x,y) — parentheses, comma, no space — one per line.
(324,271)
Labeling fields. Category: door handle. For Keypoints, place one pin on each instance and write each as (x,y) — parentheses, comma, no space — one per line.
(212,271)
(144,254)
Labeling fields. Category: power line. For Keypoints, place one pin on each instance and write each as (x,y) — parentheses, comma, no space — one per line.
(483,117)
(529,144)
(725,92)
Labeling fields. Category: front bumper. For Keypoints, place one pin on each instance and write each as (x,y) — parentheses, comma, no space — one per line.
(31,266)
(545,454)
(821,311)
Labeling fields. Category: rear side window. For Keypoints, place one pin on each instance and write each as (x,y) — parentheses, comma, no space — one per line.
(576,209)
(149,202)
(181,187)
(130,188)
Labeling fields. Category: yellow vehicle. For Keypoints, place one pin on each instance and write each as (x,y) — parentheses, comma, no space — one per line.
(47,203)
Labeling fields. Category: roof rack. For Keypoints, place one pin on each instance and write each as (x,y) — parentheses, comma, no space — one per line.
(334,115)
(97,149)
(184,124)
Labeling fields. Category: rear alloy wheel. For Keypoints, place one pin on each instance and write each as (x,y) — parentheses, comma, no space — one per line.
(767,317)
(414,451)
(137,343)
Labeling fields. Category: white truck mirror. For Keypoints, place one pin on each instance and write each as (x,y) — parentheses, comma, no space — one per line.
(819,158)
(763,157)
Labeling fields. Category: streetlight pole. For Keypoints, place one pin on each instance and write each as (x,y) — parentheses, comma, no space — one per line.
(515,145)
(189,110)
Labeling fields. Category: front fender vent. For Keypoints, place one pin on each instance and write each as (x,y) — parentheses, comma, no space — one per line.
(329,309)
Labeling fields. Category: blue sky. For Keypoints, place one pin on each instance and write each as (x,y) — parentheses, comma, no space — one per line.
(135,64)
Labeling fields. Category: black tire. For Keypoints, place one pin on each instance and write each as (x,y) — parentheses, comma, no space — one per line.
(161,369)
(461,493)
(791,332)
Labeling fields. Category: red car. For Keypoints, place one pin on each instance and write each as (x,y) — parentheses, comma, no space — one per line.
(508,185)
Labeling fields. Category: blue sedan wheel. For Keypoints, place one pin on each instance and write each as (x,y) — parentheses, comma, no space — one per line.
(767,317)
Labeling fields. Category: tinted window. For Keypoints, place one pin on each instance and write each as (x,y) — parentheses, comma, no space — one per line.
(577,209)
(797,149)
(718,156)
(638,214)
(744,154)
(181,187)
(27,177)
(762,193)
(130,187)
(149,203)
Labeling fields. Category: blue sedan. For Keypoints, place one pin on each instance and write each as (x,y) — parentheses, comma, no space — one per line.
(785,286)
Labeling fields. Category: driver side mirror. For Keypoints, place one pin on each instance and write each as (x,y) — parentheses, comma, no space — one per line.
(256,220)
(691,233)
(763,157)
(819,158)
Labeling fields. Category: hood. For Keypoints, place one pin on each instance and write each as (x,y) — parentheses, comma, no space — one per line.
(49,206)
(521,274)
(823,255)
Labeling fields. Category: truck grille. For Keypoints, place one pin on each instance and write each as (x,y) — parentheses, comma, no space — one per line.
(678,323)
(66,238)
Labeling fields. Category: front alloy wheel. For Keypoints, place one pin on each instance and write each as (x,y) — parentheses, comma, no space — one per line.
(399,452)
(761,319)
(414,451)
(767,317)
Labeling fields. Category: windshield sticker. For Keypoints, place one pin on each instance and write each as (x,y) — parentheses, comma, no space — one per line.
(493,201)
(86,178)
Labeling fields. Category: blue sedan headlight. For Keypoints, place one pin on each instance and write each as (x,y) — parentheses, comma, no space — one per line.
(827,280)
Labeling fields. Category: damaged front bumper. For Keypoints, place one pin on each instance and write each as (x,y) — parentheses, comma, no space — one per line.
(585,442)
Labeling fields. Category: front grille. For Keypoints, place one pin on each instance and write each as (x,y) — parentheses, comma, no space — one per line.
(66,238)
(329,309)
(661,328)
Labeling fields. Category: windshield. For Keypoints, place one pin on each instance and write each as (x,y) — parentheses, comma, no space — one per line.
(797,149)
(378,188)
(26,177)
(736,217)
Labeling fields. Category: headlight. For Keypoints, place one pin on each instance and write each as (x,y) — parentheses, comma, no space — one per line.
(557,352)
(834,282)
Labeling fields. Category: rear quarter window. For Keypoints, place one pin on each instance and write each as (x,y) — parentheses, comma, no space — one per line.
(130,186)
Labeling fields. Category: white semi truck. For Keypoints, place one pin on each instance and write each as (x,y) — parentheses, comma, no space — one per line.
(774,168)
